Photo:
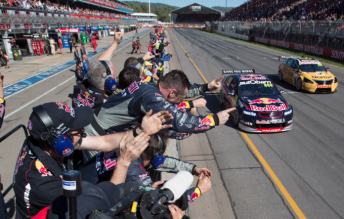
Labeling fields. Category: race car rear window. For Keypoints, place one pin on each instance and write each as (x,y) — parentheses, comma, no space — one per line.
(312,67)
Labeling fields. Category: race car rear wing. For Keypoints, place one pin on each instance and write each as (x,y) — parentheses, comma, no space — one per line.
(287,57)
(248,71)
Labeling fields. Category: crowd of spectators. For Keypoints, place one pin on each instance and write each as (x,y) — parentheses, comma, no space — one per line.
(54,7)
(294,10)
(196,18)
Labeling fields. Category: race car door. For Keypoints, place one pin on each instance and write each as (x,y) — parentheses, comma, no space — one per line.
(232,96)
(288,70)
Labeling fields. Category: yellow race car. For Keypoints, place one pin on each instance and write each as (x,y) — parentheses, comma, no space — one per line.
(307,74)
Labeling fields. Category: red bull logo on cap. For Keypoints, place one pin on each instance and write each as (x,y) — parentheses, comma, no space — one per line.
(264,101)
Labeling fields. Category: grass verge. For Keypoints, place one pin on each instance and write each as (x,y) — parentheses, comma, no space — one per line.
(322,59)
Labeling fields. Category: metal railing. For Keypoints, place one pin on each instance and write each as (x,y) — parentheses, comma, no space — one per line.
(317,33)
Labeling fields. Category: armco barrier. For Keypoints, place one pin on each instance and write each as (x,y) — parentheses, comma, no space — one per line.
(234,35)
(317,50)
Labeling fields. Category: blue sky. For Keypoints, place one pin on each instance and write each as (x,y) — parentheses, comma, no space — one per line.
(208,3)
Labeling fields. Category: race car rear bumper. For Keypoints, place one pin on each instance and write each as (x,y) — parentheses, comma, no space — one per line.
(265,130)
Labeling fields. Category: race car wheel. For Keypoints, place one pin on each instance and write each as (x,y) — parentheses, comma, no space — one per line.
(299,84)
(280,75)
(236,118)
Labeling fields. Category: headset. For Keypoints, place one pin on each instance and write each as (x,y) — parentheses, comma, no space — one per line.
(62,144)
(159,157)
(110,83)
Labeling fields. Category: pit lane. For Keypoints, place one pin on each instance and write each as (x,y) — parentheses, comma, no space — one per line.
(308,160)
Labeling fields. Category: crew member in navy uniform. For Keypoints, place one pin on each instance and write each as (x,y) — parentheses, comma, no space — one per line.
(56,129)
(76,55)
(79,75)
(82,50)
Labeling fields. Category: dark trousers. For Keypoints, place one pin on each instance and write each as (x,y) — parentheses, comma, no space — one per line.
(133,50)
(71,47)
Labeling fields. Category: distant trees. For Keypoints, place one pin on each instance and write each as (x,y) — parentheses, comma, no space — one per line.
(161,10)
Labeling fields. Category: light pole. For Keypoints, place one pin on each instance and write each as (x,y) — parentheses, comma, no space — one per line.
(149,5)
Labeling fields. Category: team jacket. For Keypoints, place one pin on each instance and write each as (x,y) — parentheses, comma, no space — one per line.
(79,74)
(87,95)
(82,51)
(106,163)
(2,113)
(125,110)
(37,180)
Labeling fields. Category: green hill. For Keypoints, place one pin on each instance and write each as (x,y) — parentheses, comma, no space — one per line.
(160,9)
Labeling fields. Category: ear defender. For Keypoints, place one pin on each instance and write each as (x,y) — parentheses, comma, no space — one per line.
(63,145)
(159,158)
(110,83)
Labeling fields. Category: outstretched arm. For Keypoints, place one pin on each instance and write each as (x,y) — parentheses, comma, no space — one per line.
(107,54)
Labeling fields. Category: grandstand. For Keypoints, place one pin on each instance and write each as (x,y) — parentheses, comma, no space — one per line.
(272,10)
(194,14)
(25,22)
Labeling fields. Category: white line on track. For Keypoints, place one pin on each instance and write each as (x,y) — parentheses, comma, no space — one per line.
(37,98)
(17,110)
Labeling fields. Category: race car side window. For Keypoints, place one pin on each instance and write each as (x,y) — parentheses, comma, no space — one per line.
(228,79)
(289,62)
(295,65)
(233,86)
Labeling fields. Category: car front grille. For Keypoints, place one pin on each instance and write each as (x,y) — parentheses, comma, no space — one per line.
(270,114)
(324,82)
(323,90)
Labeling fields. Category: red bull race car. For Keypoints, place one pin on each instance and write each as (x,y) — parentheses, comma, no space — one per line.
(260,106)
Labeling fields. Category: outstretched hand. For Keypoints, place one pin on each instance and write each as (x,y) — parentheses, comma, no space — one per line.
(118,37)
(151,124)
(147,56)
(132,150)
(215,84)
(224,115)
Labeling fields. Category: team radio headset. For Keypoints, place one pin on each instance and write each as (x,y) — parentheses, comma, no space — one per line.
(62,144)
(110,83)
(159,157)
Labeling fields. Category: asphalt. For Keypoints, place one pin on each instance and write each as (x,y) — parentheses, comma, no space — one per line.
(308,160)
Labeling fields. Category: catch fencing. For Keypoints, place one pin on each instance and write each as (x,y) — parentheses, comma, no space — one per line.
(325,33)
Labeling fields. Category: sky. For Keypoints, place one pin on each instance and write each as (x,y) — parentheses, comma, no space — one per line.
(208,3)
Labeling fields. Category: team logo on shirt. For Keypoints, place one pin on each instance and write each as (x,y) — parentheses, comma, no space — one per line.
(42,169)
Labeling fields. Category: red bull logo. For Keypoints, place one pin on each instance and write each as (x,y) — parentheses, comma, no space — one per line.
(41,168)
(196,195)
(208,121)
(87,96)
(67,108)
(183,105)
(66,152)
(264,101)
(268,108)
(143,176)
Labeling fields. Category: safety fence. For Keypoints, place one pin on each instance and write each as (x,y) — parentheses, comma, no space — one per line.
(308,36)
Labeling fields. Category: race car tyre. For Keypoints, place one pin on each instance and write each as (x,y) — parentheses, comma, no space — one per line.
(236,118)
(280,76)
(299,84)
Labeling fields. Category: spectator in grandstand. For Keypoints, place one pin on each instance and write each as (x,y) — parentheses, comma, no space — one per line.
(39,167)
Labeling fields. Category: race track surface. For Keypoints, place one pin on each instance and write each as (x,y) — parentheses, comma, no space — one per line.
(308,161)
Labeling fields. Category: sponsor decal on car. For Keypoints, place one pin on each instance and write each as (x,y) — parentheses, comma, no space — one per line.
(274,121)
(321,77)
(268,108)
(288,112)
(271,130)
(254,82)
(264,101)
(324,86)
(252,78)
(250,113)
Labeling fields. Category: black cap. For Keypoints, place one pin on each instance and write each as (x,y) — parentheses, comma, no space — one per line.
(64,117)
(102,196)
